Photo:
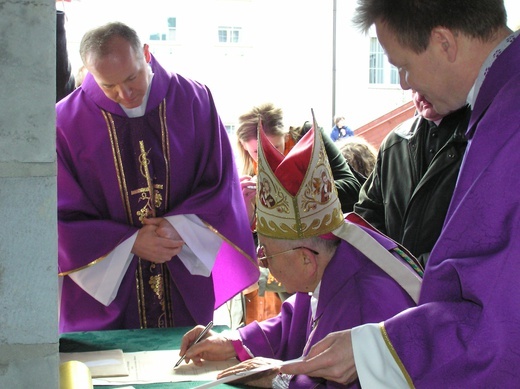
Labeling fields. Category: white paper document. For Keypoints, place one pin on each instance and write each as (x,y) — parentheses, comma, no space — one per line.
(146,367)
(242,374)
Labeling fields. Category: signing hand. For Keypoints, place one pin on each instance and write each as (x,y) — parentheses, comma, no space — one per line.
(213,347)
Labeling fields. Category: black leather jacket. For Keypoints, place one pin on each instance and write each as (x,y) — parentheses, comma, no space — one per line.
(408,193)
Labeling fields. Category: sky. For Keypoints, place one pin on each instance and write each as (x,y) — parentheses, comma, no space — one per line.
(513,13)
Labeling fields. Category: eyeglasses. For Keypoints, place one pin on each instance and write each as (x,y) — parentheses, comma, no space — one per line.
(262,258)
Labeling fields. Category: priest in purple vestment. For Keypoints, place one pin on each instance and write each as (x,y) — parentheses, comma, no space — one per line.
(339,270)
(464,333)
(152,229)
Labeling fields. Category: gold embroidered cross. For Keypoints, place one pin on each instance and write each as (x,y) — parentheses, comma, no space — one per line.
(149,194)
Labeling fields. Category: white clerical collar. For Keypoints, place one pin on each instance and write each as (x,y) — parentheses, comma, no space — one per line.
(473,93)
(141,110)
(314,300)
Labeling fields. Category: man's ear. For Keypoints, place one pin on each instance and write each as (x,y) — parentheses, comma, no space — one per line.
(446,40)
(147,55)
(310,260)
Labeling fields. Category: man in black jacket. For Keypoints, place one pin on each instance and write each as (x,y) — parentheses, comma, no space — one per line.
(408,193)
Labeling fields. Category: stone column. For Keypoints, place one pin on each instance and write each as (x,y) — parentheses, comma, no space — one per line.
(28,237)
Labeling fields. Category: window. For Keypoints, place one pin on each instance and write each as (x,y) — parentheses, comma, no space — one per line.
(170,35)
(228,34)
(172,29)
(381,72)
(230,129)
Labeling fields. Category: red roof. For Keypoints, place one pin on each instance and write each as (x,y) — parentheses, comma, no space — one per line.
(375,131)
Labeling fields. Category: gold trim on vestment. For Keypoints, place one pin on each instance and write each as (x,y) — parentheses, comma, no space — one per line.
(166,149)
(168,300)
(96,261)
(140,295)
(156,201)
(396,357)
(215,231)
(118,163)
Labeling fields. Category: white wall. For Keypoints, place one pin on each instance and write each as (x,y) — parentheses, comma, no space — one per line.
(286,57)
(286,54)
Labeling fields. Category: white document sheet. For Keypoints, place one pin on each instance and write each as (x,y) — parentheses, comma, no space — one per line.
(146,367)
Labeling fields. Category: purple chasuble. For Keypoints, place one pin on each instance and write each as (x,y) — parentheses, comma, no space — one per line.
(465,333)
(113,171)
(353,291)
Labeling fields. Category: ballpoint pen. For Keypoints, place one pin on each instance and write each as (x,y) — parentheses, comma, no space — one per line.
(204,331)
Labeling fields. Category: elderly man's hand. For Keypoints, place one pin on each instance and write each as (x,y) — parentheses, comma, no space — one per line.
(213,347)
(331,358)
(263,379)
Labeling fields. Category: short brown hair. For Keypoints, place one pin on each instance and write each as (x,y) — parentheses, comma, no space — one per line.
(360,155)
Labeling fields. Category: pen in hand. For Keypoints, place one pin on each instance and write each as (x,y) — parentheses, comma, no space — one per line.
(204,331)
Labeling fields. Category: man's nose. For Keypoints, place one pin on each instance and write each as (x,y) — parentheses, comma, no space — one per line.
(402,81)
(124,92)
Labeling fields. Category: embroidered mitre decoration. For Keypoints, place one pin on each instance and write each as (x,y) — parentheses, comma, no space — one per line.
(296,195)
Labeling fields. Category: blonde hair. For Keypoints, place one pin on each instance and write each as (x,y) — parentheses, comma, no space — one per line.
(272,121)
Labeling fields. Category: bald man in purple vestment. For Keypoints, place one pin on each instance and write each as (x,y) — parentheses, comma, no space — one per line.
(152,228)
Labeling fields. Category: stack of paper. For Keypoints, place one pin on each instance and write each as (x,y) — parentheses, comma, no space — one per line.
(145,367)
(106,363)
